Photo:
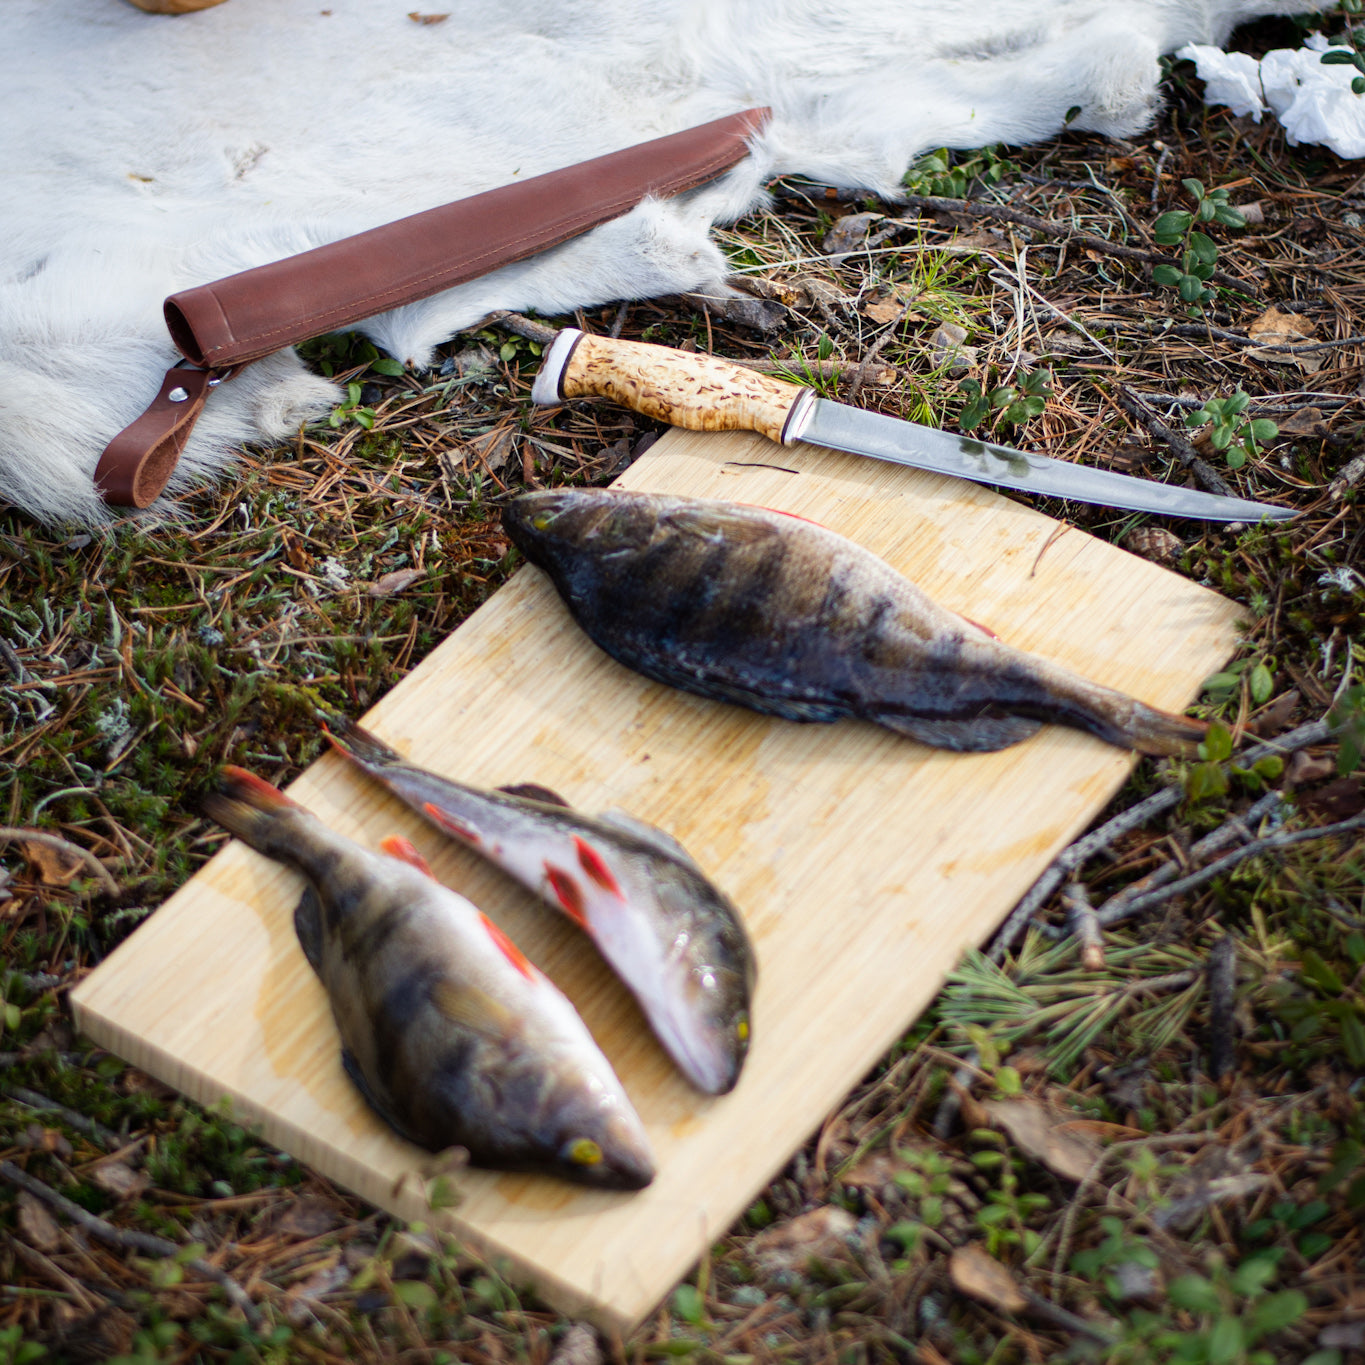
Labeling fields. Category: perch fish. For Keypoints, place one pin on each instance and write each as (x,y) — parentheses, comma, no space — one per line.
(667,932)
(765,609)
(451,1035)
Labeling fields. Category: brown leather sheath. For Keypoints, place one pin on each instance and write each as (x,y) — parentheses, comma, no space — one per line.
(229,322)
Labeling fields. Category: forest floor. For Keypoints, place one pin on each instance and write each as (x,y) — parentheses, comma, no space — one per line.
(1140,1139)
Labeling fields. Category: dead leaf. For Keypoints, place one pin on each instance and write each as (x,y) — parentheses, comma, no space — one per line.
(1338,800)
(396,581)
(119,1179)
(37,1224)
(493,448)
(308,1217)
(891,305)
(1253,211)
(980,240)
(427,18)
(848,233)
(1274,329)
(1041,1133)
(983,1278)
(54,866)
(1305,422)
(295,551)
(1155,543)
(822,1234)
(875,1171)
(1306,767)
(947,348)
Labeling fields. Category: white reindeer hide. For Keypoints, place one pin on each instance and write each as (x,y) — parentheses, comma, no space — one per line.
(145,153)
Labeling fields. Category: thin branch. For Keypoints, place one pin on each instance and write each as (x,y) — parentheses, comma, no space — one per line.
(1267,844)
(129,1239)
(1229,832)
(1003,213)
(1183,450)
(1076,854)
(31,1099)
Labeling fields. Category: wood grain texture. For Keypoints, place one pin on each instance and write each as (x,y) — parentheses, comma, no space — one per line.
(864,864)
(684,389)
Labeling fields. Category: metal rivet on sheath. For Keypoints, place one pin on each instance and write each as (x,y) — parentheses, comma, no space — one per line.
(177,396)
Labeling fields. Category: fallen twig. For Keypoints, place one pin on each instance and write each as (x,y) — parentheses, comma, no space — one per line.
(1003,213)
(1076,854)
(1222,1006)
(129,1239)
(92,1129)
(1230,831)
(1270,843)
(1182,449)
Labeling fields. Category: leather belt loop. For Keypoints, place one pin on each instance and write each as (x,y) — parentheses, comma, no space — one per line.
(137,463)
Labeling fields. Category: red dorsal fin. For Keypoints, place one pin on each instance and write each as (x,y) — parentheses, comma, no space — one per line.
(985,630)
(569,894)
(254,791)
(398,847)
(591,862)
(451,825)
(508,949)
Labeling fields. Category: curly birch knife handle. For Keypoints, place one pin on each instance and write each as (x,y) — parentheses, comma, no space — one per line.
(681,388)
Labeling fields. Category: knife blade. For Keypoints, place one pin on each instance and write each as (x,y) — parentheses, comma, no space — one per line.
(706,393)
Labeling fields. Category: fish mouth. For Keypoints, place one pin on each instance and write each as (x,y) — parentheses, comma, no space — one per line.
(624,1160)
(700,1048)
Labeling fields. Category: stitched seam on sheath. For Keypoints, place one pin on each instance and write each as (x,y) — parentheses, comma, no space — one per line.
(398,293)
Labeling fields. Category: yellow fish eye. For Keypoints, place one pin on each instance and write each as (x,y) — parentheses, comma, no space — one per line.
(541,520)
(742,1028)
(584,1152)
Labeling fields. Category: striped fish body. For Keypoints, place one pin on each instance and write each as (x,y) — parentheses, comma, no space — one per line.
(453,1037)
(770,611)
(671,936)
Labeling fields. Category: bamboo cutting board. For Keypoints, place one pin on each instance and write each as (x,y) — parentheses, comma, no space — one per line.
(863,863)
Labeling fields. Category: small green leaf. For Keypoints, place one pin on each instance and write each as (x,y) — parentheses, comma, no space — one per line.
(1207,211)
(1165,275)
(1269,767)
(415,1294)
(1007,1081)
(1338,56)
(1251,1277)
(689,1305)
(386,365)
(1217,744)
(1263,429)
(1237,458)
(1316,970)
(1172,226)
(1191,288)
(1230,217)
(1205,781)
(1194,1293)
(1194,187)
(1262,684)
(1277,1311)
(1203,248)
(1353,1039)
(1227,1340)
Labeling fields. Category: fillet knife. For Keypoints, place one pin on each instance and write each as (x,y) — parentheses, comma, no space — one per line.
(704,393)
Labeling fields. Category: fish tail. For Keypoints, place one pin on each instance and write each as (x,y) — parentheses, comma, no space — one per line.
(357,744)
(249,807)
(1164,734)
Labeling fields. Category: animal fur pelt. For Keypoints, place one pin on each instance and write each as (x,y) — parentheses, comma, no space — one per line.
(145,153)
